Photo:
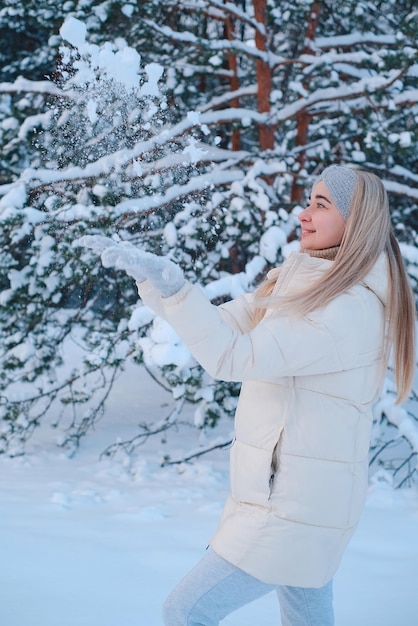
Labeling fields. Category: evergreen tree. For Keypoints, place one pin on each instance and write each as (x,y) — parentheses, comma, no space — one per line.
(236,106)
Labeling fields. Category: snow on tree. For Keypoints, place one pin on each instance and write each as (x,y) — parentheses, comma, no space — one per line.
(189,129)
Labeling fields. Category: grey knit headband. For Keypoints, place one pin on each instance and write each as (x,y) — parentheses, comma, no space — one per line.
(341,182)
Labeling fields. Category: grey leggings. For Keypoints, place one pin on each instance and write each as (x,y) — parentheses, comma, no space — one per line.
(214,588)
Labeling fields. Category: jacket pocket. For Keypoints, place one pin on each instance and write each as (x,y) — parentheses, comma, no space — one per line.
(253,472)
(274,464)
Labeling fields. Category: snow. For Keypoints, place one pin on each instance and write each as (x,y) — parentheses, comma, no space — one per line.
(399,188)
(121,66)
(15,197)
(214,44)
(271,241)
(369,84)
(41,120)
(128,10)
(100,542)
(163,346)
(24,85)
(74,31)
(170,234)
(154,71)
(198,183)
(353,39)
(216,101)
(192,152)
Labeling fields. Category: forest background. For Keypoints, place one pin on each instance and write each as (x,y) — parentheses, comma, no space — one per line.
(190,129)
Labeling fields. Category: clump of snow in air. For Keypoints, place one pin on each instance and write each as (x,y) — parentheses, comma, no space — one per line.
(121,66)
(74,32)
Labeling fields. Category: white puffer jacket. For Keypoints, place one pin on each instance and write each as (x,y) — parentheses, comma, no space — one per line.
(299,462)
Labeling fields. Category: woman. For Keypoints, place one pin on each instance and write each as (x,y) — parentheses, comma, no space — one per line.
(310,347)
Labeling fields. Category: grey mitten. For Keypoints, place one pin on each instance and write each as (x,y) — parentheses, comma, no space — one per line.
(165,275)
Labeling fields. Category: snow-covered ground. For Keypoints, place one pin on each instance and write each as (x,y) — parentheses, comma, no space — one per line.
(89,542)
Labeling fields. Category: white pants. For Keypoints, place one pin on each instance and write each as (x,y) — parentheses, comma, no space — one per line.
(215,588)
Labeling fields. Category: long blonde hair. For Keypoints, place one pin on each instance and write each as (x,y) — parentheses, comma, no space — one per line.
(368,233)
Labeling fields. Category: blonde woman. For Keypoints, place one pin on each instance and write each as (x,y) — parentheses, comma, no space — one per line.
(310,347)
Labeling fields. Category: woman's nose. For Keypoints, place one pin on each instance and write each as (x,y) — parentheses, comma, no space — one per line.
(304,216)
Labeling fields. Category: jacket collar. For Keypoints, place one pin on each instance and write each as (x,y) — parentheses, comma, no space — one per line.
(305,269)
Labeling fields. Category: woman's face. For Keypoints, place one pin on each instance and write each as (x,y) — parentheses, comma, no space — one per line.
(322,223)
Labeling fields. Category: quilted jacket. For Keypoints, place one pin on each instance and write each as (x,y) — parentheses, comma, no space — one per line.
(299,460)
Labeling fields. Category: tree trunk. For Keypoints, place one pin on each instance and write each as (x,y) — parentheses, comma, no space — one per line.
(234,80)
(303,118)
(263,72)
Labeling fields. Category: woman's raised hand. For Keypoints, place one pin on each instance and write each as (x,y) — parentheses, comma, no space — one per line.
(165,275)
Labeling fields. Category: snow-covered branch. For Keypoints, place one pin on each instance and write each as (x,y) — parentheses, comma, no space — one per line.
(348,92)
(217,101)
(400,189)
(119,160)
(234,10)
(157,201)
(403,469)
(182,37)
(355,39)
(24,85)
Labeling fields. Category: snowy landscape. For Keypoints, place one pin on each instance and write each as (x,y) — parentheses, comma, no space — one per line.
(101,542)
(93,540)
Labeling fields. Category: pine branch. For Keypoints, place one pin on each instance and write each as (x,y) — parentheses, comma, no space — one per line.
(200,452)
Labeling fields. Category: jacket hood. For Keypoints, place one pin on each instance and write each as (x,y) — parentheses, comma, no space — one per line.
(377,280)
